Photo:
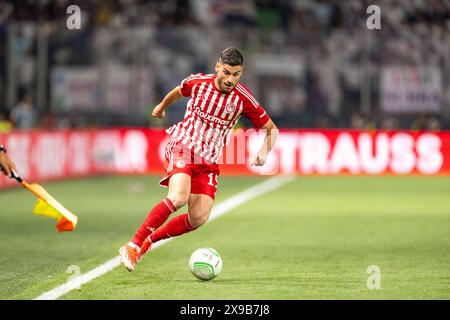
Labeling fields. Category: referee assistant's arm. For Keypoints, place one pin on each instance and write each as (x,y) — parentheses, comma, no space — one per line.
(6,165)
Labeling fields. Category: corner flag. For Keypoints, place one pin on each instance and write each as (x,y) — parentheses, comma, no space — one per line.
(48,206)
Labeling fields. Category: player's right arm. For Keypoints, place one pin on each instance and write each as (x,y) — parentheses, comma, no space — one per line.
(172,97)
(183,90)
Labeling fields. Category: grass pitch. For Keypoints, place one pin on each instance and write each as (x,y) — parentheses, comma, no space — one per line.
(313,238)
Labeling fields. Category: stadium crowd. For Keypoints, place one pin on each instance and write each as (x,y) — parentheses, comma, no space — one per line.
(335,82)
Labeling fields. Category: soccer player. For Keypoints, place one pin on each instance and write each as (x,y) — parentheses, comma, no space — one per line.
(6,165)
(217,101)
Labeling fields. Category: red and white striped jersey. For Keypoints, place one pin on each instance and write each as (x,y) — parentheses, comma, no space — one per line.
(211,115)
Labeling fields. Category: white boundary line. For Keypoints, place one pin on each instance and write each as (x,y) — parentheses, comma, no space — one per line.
(218,210)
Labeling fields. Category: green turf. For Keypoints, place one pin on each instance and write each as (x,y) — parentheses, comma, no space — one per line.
(313,238)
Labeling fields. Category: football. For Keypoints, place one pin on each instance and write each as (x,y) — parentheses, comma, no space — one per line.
(205,263)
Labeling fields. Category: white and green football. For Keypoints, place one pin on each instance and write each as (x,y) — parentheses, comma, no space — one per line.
(205,263)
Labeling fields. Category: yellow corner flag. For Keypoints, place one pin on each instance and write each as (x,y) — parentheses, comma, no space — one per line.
(48,206)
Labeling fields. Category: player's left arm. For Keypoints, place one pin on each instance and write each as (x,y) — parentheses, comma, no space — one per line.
(271,135)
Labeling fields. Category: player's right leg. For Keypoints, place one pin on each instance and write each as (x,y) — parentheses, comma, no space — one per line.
(177,197)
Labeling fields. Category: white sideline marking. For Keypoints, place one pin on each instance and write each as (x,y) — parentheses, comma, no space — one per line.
(219,210)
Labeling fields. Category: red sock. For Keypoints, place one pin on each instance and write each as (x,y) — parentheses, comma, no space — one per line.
(154,220)
(175,227)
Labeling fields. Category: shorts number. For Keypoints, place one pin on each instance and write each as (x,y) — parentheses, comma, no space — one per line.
(213,178)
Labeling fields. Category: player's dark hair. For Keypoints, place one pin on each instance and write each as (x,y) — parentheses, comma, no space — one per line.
(232,56)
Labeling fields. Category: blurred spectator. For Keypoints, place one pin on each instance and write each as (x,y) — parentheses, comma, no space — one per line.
(390,123)
(5,125)
(420,123)
(357,121)
(23,114)
(433,124)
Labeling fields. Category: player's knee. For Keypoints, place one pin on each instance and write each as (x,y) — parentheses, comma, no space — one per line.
(178,199)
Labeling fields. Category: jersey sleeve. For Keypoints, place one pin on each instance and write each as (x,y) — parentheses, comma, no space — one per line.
(254,111)
(188,83)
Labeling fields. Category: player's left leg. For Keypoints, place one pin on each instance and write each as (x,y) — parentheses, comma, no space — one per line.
(200,206)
